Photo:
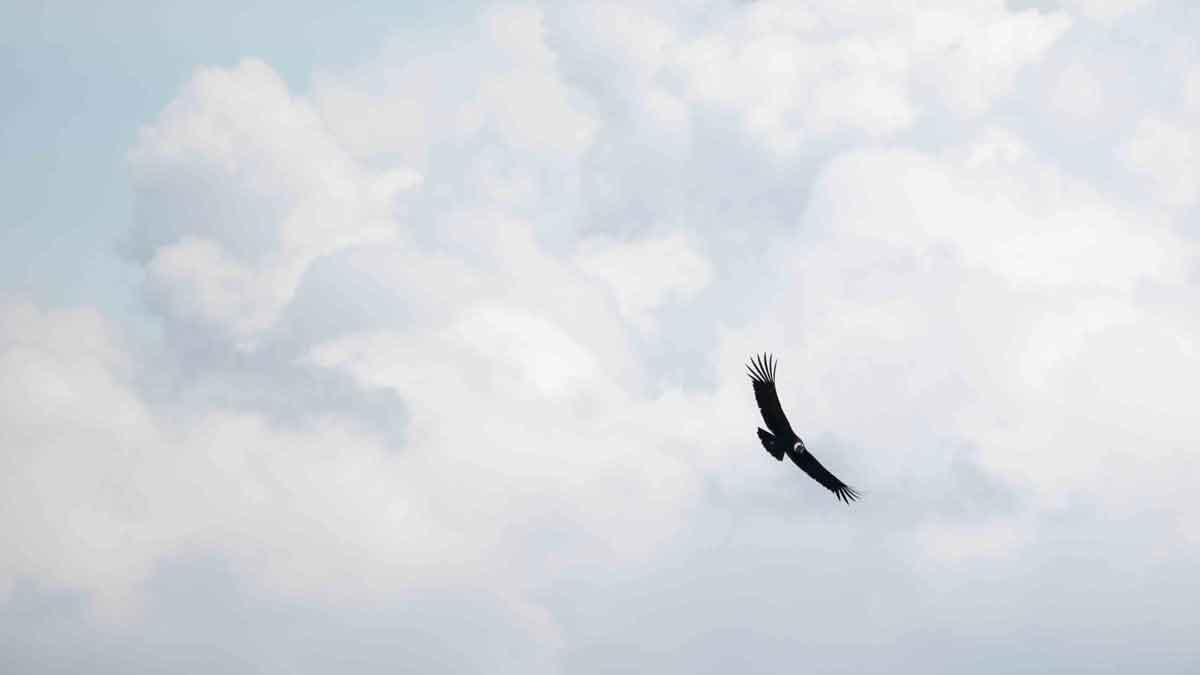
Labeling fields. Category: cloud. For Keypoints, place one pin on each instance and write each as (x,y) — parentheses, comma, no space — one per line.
(1191,89)
(240,186)
(644,274)
(1167,156)
(439,360)
(796,74)
(68,414)
(105,486)
(1002,300)
(1078,95)
(1105,11)
(501,82)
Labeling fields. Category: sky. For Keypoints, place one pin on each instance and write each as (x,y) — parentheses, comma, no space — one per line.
(402,338)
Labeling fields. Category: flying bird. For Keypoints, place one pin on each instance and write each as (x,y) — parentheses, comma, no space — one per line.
(781,440)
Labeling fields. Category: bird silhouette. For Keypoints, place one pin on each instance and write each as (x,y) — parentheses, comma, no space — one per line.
(781,440)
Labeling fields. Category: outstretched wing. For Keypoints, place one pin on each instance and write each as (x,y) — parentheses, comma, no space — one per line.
(812,467)
(762,376)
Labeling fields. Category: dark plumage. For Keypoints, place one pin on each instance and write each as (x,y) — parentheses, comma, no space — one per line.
(781,440)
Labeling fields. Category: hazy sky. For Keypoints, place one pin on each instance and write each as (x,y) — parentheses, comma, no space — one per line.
(394,338)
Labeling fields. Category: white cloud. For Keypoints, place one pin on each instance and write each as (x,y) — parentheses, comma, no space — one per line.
(466,227)
(517,417)
(1191,89)
(1167,155)
(1001,212)
(972,293)
(957,544)
(798,73)
(972,61)
(529,103)
(534,350)
(75,439)
(790,87)
(1078,95)
(643,274)
(523,428)
(101,487)
(500,78)
(1105,11)
(240,187)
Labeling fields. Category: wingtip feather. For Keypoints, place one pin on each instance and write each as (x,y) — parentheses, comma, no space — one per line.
(846,494)
(762,367)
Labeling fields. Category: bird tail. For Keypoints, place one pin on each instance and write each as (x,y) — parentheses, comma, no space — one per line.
(768,442)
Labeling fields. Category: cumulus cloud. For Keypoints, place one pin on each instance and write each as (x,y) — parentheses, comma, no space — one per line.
(1078,95)
(1167,155)
(105,485)
(240,186)
(799,73)
(501,80)
(242,189)
(644,274)
(1105,11)
(1191,89)
(67,414)
(988,295)
(468,389)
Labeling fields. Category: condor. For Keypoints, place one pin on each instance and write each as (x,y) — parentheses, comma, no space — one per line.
(781,440)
